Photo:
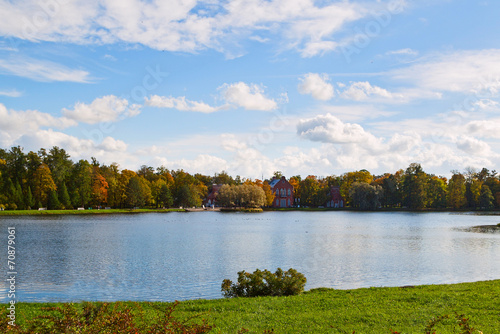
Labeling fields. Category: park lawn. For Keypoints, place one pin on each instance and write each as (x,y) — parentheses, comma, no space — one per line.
(368,310)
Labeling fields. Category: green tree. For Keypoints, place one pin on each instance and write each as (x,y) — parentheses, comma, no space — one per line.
(81,184)
(138,192)
(346,181)
(365,196)
(486,198)
(414,187)
(29,200)
(60,165)
(436,192)
(53,202)
(165,196)
(456,192)
(64,196)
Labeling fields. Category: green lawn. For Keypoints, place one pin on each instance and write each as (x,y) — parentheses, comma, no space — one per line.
(373,310)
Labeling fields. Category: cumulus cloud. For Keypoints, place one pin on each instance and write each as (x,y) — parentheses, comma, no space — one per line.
(249,97)
(329,129)
(360,91)
(317,86)
(14,124)
(104,109)
(180,103)
(473,146)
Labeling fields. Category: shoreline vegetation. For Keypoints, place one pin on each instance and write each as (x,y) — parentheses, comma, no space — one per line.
(223,209)
(447,308)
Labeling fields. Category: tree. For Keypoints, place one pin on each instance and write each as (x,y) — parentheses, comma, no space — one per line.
(414,187)
(53,202)
(44,184)
(138,192)
(269,193)
(99,188)
(29,200)
(64,196)
(456,192)
(60,164)
(346,181)
(436,192)
(165,196)
(365,196)
(81,184)
(486,199)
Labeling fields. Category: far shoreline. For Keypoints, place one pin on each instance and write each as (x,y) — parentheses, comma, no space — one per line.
(226,210)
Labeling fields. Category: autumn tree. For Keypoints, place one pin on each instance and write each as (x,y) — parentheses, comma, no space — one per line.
(437,189)
(43,183)
(346,181)
(81,184)
(269,193)
(456,192)
(486,198)
(99,188)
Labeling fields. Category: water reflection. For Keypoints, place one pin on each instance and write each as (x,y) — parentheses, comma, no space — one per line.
(182,256)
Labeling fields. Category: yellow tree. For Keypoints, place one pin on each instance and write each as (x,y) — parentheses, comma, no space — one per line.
(43,183)
(361,176)
(269,193)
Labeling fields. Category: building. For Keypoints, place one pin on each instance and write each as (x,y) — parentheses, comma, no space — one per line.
(212,196)
(335,199)
(283,193)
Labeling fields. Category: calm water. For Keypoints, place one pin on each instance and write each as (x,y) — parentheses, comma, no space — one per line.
(187,255)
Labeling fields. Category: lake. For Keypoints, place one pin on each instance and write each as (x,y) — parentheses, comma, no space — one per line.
(178,256)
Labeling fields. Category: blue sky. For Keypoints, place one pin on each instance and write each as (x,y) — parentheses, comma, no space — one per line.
(254,86)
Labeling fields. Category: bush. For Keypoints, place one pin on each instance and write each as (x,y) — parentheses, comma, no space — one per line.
(265,283)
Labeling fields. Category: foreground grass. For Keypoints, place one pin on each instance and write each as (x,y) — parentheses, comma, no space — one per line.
(81,212)
(373,310)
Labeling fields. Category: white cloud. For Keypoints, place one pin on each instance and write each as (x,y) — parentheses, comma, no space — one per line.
(14,124)
(249,97)
(179,103)
(316,85)
(360,91)
(482,128)
(473,72)
(42,70)
(307,26)
(329,129)
(473,146)
(407,51)
(104,109)
(11,93)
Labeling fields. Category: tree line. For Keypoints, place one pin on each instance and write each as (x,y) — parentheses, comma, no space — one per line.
(50,179)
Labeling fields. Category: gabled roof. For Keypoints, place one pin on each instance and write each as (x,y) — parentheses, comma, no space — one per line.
(273,182)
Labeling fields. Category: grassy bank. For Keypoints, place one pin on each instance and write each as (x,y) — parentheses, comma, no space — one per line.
(374,310)
(81,212)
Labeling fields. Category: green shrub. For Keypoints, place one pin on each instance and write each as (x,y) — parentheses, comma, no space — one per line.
(265,283)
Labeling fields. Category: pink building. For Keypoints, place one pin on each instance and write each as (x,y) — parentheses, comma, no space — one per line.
(283,193)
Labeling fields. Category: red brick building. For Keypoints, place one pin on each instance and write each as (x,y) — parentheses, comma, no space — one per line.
(212,196)
(335,199)
(283,193)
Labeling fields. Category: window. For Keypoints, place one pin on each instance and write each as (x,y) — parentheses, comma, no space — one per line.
(289,193)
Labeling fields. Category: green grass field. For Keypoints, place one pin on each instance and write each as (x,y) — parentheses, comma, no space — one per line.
(373,310)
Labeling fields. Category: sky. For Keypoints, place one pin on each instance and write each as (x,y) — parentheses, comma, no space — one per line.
(254,86)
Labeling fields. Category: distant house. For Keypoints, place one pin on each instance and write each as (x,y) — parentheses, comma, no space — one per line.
(212,196)
(283,193)
(335,199)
